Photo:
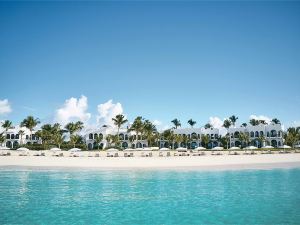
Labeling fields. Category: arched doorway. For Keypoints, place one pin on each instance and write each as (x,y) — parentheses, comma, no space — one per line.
(8,144)
(90,146)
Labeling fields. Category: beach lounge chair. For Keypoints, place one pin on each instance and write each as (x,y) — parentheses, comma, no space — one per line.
(116,155)
(97,155)
(168,154)
(126,154)
(150,154)
(43,154)
(160,154)
(131,154)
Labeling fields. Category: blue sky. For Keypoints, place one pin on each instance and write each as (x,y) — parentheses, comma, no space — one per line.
(160,60)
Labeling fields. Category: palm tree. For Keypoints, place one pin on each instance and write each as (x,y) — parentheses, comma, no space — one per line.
(205,139)
(30,123)
(58,139)
(21,133)
(191,122)
(109,140)
(98,140)
(119,120)
(178,139)
(225,140)
(207,126)
(233,119)
(137,126)
(263,122)
(254,122)
(261,139)
(2,138)
(276,121)
(244,139)
(292,136)
(244,125)
(176,123)
(227,123)
(7,124)
(149,130)
(72,128)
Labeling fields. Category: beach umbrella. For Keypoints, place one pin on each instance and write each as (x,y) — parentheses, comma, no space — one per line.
(112,150)
(267,147)
(164,149)
(74,150)
(200,148)
(55,149)
(181,149)
(23,149)
(154,148)
(217,148)
(285,147)
(234,148)
(251,148)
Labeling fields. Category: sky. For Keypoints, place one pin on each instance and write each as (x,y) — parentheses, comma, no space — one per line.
(64,61)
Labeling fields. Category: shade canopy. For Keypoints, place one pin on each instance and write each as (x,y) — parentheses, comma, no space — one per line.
(181,149)
(4,148)
(22,149)
(200,148)
(251,147)
(285,146)
(234,148)
(268,146)
(55,149)
(139,149)
(112,150)
(75,150)
(217,148)
(164,149)
(154,148)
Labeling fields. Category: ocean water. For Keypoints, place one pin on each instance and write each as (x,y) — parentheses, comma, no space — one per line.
(150,197)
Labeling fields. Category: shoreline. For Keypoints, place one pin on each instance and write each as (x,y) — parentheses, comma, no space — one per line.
(208,162)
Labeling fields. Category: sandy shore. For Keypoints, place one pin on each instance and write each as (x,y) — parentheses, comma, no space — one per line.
(201,162)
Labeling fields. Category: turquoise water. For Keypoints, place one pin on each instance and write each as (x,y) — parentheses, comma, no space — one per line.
(150,197)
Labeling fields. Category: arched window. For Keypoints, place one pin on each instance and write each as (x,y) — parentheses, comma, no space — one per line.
(101,135)
(17,136)
(256,134)
(12,136)
(125,145)
(15,144)
(273,133)
(274,143)
(8,136)
(95,136)
(27,137)
(8,144)
(126,137)
(268,134)
(236,134)
(90,136)
(121,136)
(194,136)
(261,133)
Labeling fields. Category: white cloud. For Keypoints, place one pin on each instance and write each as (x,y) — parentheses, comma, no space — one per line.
(73,109)
(5,107)
(107,111)
(157,123)
(261,117)
(216,122)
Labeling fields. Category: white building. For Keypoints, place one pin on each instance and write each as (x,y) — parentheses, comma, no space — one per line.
(127,139)
(15,139)
(260,135)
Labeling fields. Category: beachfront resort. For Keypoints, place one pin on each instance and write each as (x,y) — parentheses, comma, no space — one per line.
(142,134)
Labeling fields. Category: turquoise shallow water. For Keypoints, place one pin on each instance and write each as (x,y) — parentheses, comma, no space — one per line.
(150,197)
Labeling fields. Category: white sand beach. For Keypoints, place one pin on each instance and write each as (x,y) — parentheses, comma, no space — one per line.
(207,161)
